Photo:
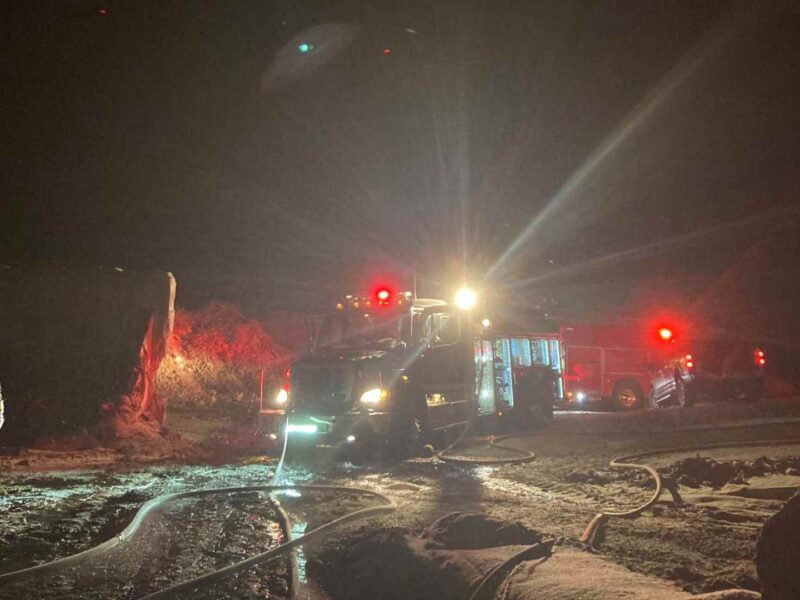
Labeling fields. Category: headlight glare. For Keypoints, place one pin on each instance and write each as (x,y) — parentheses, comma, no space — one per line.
(374,396)
(281,397)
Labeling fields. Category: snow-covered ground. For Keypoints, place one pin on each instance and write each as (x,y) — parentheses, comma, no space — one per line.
(56,503)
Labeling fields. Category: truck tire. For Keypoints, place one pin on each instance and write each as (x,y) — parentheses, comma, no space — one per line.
(406,440)
(627,395)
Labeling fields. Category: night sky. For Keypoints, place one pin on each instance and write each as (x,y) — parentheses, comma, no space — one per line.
(492,141)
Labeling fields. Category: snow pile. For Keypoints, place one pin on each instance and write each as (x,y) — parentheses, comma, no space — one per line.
(215,357)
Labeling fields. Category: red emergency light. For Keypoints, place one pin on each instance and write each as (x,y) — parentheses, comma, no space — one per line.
(761,359)
(665,333)
(383,295)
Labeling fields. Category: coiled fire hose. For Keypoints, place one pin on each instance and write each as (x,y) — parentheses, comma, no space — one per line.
(524,456)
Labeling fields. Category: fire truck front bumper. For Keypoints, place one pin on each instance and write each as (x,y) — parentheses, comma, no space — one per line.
(346,429)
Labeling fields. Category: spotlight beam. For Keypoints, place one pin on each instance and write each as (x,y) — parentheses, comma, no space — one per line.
(688,66)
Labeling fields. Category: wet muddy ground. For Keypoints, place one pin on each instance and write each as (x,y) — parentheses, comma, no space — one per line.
(705,544)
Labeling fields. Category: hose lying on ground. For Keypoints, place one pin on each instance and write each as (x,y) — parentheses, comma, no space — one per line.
(286,525)
(625,462)
(524,456)
(488,584)
(491,581)
(129,531)
(387,507)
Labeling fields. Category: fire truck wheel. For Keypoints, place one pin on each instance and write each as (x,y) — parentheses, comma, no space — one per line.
(627,395)
(407,439)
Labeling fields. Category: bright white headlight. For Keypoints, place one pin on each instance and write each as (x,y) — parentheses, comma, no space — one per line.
(282,396)
(374,396)
(465,298)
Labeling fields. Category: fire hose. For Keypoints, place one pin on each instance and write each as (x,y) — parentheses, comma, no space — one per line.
(387,506)
(536,550)
(626,462)
(494,579)
(524,456)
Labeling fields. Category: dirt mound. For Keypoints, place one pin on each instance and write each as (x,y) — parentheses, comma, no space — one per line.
(384,564)
(216,355)
(395,563)
(778,553)
(477,530)
(698,470)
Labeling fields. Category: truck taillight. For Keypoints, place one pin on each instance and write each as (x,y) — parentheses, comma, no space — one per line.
(761,358)
(689,361)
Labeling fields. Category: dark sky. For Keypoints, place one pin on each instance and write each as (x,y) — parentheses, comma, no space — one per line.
(498,138)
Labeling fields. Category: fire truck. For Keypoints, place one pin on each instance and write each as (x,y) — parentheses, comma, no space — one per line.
(625,367)
(389,369)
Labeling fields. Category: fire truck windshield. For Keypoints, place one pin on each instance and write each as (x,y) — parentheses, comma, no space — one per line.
(356,329)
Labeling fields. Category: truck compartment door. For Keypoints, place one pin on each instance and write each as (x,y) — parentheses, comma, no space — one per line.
(484,376)
(584,370)
(503,378)
(547,351)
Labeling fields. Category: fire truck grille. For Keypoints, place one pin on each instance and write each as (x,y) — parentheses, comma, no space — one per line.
(328,389)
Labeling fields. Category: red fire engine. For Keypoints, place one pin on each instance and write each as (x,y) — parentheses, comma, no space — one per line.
(630,366)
